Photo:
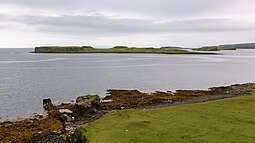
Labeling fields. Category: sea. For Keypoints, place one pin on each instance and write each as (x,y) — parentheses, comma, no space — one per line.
(27,78)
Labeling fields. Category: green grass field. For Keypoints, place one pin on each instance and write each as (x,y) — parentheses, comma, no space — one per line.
(224,121)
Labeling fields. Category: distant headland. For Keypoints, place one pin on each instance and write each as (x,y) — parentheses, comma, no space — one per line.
(146,50)
(116,49)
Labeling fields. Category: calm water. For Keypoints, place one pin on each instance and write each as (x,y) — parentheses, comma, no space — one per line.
(26,78)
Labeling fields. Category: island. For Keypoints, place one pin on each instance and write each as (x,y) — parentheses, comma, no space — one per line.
(116,49)
(213,48)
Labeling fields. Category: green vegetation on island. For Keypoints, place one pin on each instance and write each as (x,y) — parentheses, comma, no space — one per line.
(227,48)
(207,48)
(170,47)
(64,49)
(116,49)
(125,49)
(213,48)
(228,120)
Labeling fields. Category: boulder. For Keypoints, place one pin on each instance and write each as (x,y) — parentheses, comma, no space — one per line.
(88,101)
(86,107)
(51,109)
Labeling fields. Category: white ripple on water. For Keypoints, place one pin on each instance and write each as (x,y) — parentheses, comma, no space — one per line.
(90,67)
(7,78)
(33,61)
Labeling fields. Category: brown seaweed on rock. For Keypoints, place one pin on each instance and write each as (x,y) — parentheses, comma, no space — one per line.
(118,99)
(236,89)
(134,98)
(22,131)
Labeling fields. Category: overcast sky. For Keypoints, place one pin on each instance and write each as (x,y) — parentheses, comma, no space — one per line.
(105,23)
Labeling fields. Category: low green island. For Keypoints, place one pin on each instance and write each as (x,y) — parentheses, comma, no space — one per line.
(213,48)
(126,49)
(116,49)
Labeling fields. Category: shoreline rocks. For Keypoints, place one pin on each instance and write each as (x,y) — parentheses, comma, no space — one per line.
(62,120)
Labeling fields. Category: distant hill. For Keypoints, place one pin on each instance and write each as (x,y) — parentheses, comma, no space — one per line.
(239,46)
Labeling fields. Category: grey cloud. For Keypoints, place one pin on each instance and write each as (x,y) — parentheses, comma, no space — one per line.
(99,24)
(113,18)
(145,7)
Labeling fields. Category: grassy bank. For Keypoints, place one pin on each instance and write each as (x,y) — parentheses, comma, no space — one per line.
(229,120)
(117,49)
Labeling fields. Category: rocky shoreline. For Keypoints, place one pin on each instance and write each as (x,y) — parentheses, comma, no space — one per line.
(60,124)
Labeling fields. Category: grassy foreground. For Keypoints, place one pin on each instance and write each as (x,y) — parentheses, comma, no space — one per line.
(228,120)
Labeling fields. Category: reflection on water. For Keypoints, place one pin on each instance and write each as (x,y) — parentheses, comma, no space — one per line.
(27,78)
